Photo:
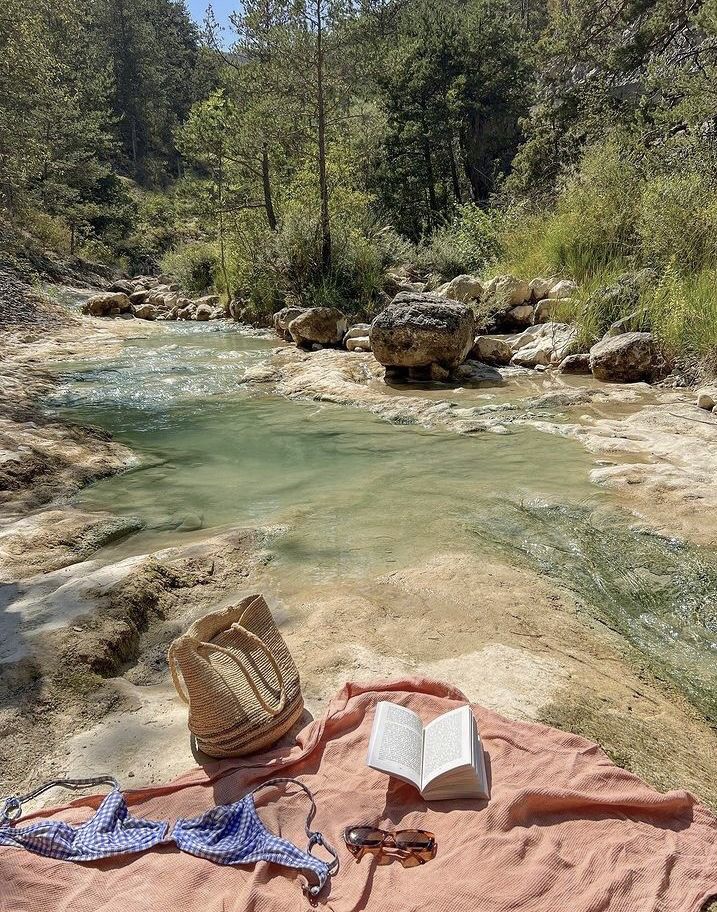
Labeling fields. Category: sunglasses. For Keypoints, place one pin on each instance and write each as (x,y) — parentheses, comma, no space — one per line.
(410,847)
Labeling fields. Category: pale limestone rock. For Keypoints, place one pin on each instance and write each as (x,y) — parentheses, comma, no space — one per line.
(358,343)
(463,288)
(491,350)
(707,397)
(627,358)
(565,288)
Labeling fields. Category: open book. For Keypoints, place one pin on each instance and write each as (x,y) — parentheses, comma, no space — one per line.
(443,760)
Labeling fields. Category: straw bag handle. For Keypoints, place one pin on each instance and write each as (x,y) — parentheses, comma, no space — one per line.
(253,638)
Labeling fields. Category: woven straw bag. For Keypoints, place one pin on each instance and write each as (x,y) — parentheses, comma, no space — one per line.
(241,683)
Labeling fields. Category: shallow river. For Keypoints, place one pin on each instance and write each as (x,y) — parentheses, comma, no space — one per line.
(359,496)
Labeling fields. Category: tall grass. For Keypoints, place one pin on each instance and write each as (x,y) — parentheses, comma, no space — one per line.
(619,214)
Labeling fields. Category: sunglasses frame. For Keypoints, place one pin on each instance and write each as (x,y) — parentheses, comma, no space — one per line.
(421,856)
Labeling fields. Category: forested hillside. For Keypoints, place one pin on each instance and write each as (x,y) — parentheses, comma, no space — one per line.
(315,146)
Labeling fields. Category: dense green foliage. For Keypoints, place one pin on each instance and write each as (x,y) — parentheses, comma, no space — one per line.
(318,144)
(90,97)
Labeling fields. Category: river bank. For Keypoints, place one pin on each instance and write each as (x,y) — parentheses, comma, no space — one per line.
(94,596)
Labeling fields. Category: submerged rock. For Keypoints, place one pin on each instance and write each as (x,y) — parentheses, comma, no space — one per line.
(318,326)
(627,358)
(417,331)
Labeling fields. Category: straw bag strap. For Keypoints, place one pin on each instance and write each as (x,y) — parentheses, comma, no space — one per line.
(253,638)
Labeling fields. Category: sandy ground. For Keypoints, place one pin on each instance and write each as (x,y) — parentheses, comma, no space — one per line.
(93,695)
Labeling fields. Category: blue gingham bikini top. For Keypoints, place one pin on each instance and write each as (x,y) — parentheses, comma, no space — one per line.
(227,834)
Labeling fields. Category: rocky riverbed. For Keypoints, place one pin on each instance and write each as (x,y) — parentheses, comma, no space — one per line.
(91,599)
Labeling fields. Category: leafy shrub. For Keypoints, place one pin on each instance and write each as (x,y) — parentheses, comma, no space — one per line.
(466,245)
(50,232)
(271,268)
(96,251)
(194,265)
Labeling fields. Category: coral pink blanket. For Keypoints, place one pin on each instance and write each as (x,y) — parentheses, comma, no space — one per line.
(564,831)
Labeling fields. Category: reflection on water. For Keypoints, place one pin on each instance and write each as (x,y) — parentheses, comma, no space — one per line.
(359,496)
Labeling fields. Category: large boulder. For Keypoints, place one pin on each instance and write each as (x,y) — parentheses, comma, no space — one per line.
(540,288)
(203,313)
(318,326)
(509,290)
(522,315)
(627,358)
(186,312)
(463,288)
(546,344)
(420,331)
(210,300)
(491,350)
(137,298)
(283,317)
(578,363)
(124,286)
(145,312)
(707,397)
(107,304)
(563,289)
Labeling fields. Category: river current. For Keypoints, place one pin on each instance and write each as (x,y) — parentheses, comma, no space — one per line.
(352,495)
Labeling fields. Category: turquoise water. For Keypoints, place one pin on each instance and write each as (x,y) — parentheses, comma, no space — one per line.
(356,496)
(355,492)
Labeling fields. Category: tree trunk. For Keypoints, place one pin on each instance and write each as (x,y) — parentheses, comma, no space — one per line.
(454,172)
(326,253)
(432,201)
(222,249)
(266,184)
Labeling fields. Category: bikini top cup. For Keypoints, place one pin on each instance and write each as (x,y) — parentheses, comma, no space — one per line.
(111,830)
(234,834)
(227,834)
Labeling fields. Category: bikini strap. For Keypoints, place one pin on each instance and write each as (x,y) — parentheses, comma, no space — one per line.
(314,836)
(12,806)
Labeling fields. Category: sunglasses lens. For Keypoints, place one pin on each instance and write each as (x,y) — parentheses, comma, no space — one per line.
(368,837)
(410,861)
(415,840)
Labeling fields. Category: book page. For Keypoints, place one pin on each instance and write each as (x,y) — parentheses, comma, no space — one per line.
(447,743)
(396,745)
